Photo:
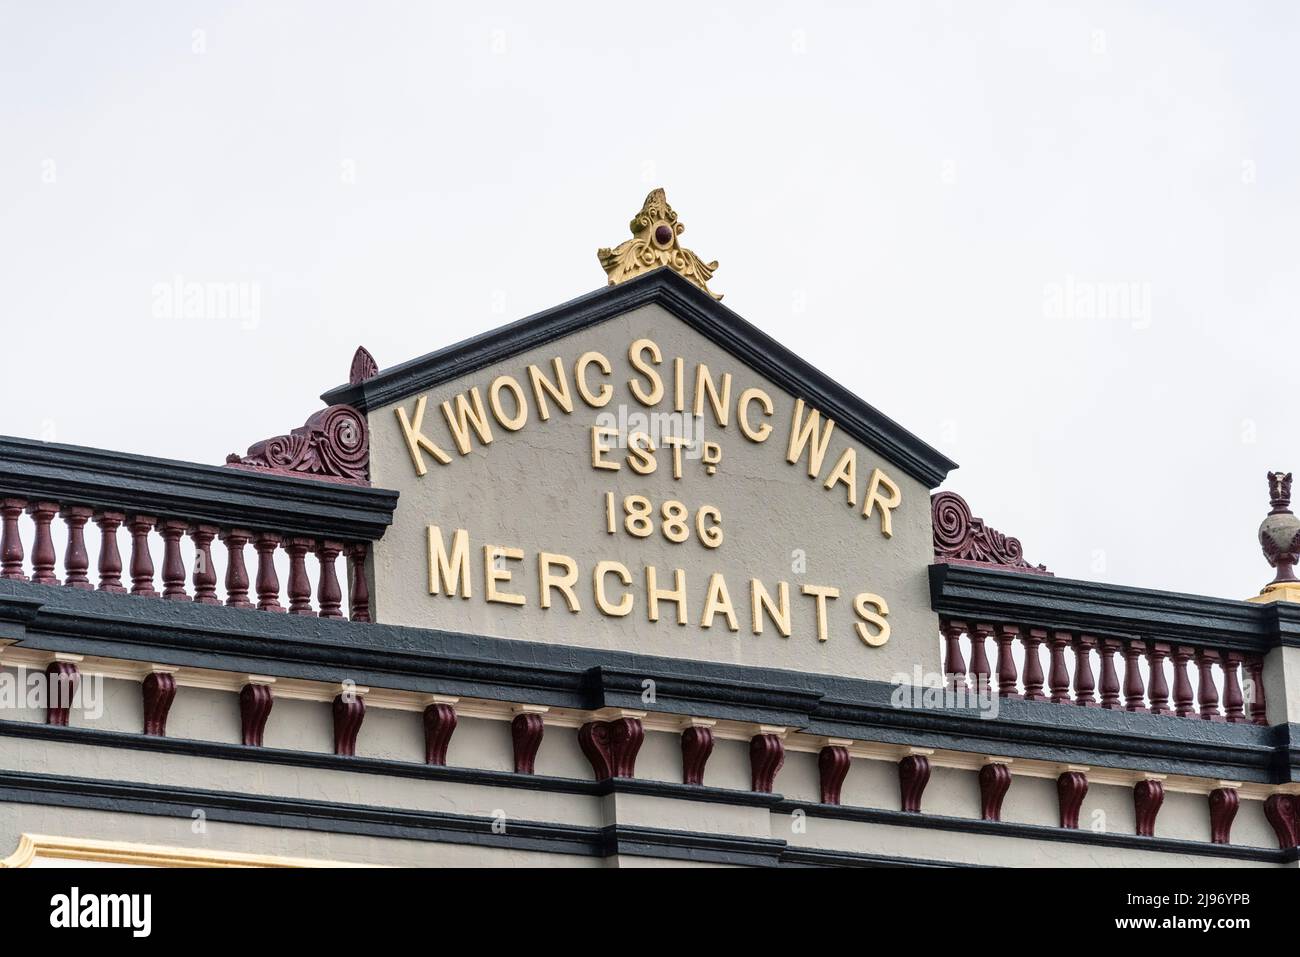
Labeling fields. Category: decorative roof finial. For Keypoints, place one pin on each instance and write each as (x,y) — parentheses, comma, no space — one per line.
(654,244)
(1279,536)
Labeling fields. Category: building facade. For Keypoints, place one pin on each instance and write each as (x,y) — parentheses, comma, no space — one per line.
(624,583)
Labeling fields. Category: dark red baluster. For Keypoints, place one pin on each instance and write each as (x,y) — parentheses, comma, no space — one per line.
(173,567)
(1207,695)
(1232,698)
(64,680)
(1071,787)
(11,542)
(766,757)
(110,559)
(1084,684)
(359,589)
(76,561)
(1223,809)
(913,776)
(1007,635)
(299,583)
(979,660)
(1058,676)
(954,665)
(832,767)
(1148,795)
(43,554)
(1183,699)
(158,692)
(1258,702)
(697,745)
(1157,686)
(205,574)
(236,571)
(268,581)
(439,724)
(1106,648)
(995,780)
(1034,665)
(1134,689)
(141,560)
(328,594)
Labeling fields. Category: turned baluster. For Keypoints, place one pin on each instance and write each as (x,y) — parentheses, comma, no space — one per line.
(1006,661)
(110,559)
(1232,698)
(205,575)
(43,554)
(1058,676)
(236,571)
(268,581)
(1084,683)
(299,583)
(979,660)
(1207,695)
(173,567)
(141,560)
(1157,686)
(954,665)
(1258,704)
(1134,690)
(1109,676)
(359,589)
(329,596)
(1183,699)
(1034,664)
(76,561)
(11,542)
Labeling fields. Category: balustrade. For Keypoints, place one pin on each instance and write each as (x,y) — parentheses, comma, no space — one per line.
(1228,685)
(164,538)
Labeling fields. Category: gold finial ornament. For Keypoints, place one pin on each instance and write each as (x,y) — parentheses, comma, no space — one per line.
(654,244)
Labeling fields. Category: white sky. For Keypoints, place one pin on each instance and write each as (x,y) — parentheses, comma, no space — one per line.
(893,190)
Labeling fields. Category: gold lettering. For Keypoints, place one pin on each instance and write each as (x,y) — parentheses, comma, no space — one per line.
(492,574)
(821,593)
(655,594)
(656,390)
(599,447)
(801,432)
(888,502)
(624,607)
(520,418)
(417,440)
(761,433)
(641,453)
(545,562)
(874,616)
(558,390)
(467,414)
(718,599)
(453,569)
(593,399)
(721,403)
(760,601)
(846,471)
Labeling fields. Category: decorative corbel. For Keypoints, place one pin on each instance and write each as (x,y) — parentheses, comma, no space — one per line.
(255,701)
(158,691)
(697,745)
(439,725)
(526,734)
(349,712)
(766,756)
(832,767)
(611,746)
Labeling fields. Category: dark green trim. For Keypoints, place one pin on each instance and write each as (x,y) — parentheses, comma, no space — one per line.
(406,824)
(1039,832)
(424,660)
(697,309)
(994,595)
(228,497)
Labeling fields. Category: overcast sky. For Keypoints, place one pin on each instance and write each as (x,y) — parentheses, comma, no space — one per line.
(1057,242)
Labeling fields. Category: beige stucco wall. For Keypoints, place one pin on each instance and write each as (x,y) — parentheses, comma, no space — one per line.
(536,489)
